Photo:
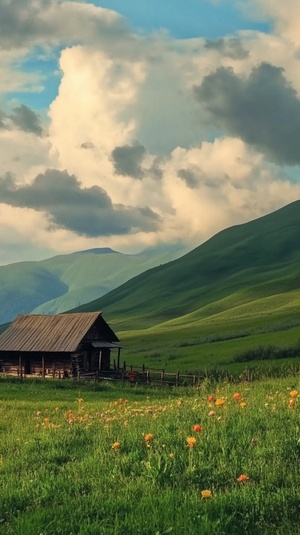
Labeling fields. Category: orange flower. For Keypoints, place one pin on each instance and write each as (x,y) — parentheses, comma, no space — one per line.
(220,402)
(206,493)
(148,437)
(292,403)
(197,428)
(211,398)
(116,446)
(294,394)
(191,441)
(242,478)
(237,396)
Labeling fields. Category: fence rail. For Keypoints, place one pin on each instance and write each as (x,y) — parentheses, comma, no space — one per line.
(133,375)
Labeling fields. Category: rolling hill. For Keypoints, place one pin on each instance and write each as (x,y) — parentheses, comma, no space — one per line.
(247,269)
(65,281)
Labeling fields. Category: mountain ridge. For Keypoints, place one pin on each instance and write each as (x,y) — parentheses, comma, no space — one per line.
(249,255)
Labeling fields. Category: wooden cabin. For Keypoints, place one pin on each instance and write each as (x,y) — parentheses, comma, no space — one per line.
(61,345)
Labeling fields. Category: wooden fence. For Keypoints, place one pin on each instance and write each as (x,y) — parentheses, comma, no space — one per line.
(133,375)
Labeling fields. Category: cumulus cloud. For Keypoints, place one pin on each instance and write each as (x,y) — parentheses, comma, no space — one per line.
(85,211)
(231,47)
(200,109)
(24,23)
(190,177)
(23,118)
(263,109)
(127,160)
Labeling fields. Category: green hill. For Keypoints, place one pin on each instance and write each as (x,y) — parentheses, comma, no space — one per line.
(242,264)
(66,281)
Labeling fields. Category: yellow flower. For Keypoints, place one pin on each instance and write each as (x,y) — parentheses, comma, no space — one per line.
(148,437)
(191,441)
(220,402)
(171,455)
(243,404)
(80,400)
(116,446)
(206,493)
(294,394)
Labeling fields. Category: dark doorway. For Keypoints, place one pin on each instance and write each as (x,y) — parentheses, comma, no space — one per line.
(27,365)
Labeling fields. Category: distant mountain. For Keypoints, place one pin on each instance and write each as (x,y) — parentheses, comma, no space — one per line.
(237,266)
(67,281)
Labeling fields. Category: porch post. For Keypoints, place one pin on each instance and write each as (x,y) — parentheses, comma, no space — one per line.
(20,365)
(43,365)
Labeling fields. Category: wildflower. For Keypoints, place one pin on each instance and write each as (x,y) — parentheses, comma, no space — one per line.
(126,422)
(254,441)
(211,398)
(38,413)
(56,409)
(46,420)
(148,437)
(80,400)
(197,428)
(116,446)
(294,394)
(206,493)
(211,413)
(242,478)
(291,403)
(243,404)
(171,455)
(71,422)
(191,441)
(237,396)
(220,402)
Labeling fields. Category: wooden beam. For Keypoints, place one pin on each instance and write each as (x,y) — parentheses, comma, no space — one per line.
(43,366)
(20,365)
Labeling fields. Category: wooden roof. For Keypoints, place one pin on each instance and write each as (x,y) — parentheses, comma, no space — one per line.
(52,333)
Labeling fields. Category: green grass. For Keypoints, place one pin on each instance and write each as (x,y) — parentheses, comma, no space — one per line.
(61,476)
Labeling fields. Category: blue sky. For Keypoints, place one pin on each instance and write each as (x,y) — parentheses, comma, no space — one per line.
(181,19)
(185,19)
(130,123)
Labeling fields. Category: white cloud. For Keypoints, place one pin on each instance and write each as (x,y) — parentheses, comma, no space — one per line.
(121,89)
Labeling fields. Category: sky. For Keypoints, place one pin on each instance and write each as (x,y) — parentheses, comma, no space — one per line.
(132,124)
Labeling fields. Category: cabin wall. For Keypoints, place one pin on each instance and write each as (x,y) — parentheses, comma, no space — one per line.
(58,365)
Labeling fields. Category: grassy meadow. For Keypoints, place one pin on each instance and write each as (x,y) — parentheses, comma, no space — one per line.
(215,343)
(218,458)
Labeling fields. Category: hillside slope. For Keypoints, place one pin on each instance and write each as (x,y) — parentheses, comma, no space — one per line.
(66,281)
(247,262)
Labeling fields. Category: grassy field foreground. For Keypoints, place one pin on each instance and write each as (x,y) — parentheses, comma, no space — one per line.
(216,459)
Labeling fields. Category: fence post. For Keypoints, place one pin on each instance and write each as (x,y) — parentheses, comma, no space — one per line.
(177,377)
(148,376)
(162,376)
